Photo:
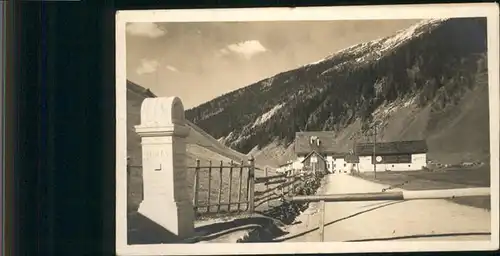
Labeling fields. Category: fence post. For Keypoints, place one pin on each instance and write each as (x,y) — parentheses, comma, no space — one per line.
(209,184)
(163,131)
(240,184)
(230,185)
(196,186)
(251,184)
(322,221)
(267,184)
(220,186)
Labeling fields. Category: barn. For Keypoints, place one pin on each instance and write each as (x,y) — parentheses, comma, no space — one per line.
(392,156)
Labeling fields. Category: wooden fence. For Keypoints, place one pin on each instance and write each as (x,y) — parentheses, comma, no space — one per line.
(228,195)
(233,187)
(274,187)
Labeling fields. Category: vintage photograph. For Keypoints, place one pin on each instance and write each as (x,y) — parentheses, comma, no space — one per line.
(374,131)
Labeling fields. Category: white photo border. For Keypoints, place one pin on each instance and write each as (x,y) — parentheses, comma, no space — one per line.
(388,12)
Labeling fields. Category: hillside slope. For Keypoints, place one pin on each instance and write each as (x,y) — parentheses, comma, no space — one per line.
(428,81)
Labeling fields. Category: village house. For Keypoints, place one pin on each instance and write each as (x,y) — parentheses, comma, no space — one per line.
(392,156)
(314,162)
(316,151)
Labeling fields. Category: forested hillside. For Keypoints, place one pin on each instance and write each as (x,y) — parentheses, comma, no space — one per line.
(428,81)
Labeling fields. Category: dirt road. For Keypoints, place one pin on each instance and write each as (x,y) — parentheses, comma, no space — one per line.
(387,220)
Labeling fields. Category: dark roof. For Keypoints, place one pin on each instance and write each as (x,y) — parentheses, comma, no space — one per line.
(327,143)
(315,153)
(395,147)
(338,155)
(351,159)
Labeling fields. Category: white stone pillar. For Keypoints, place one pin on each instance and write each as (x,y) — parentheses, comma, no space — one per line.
(166,196)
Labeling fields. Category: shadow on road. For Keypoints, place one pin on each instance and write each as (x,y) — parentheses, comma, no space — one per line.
(142,230)
(339,220)
(422,236)
(240,223)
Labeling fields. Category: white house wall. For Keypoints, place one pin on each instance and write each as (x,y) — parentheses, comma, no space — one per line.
(297,165)
(418,161)
(340,165)
(329,160)
(365,164)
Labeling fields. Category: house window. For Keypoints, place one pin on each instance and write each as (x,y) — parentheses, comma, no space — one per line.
(345,165)
(314,140)
(354,165)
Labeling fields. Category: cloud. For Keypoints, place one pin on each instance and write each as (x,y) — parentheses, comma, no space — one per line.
(147,67)
(172,68)
(146,29)
(221,52)
(247,49)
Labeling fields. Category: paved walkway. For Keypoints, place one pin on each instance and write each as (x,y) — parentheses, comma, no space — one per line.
(387,220)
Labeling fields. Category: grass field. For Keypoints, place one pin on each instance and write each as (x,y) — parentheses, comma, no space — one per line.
(444,179)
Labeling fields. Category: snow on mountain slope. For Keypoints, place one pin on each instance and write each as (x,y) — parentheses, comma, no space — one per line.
(375,49)
(409,80)
(262,119)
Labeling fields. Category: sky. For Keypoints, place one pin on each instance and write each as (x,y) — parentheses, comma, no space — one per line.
(200,61)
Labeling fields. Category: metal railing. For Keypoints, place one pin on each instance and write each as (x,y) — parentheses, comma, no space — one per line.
(385,196)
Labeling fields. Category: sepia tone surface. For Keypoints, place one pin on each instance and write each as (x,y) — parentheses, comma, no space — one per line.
(402,83)
(219,57)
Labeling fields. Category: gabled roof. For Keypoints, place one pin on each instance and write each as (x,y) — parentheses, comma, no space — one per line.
(327,143)
(394,147)
(315,153)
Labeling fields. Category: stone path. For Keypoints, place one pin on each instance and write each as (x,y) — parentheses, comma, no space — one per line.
(418,220)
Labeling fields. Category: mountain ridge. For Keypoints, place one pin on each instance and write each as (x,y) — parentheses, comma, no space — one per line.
(407,82)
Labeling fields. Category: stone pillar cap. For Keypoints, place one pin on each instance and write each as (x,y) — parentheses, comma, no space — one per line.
(162,112)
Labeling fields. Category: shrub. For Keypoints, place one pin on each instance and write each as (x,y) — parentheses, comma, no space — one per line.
(288,211)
